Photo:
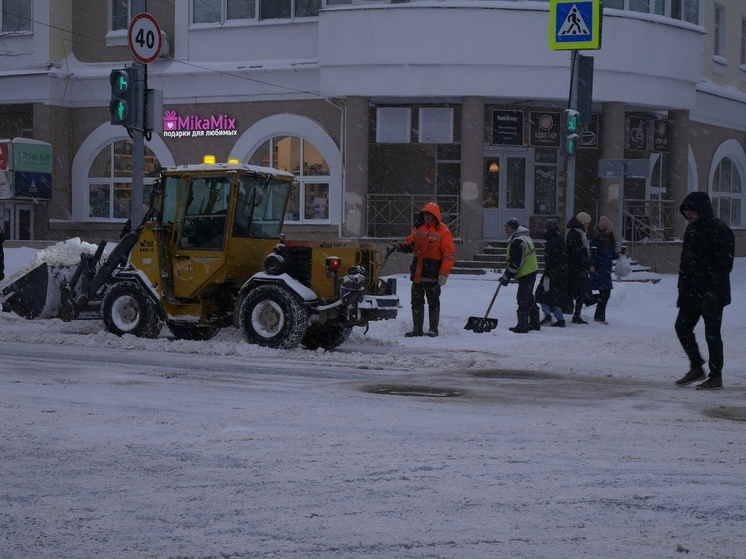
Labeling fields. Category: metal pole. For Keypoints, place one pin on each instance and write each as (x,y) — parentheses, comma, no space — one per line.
(138,135)
(572,104)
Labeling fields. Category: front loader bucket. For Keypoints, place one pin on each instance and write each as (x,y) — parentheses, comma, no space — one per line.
(37,294)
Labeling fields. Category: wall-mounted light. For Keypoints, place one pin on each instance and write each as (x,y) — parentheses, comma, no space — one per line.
(494,168)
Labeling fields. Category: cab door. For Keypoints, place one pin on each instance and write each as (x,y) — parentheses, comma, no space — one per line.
(200,233)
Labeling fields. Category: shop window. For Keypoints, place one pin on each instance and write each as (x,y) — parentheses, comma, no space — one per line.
(719,36)
(15,16)
(109,181)
(219,11)
(685,10)
(121,14)
(436,126)
(310,196)
(727,192)
(393,125)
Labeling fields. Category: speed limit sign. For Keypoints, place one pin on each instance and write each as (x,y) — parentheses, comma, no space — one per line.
(144,38)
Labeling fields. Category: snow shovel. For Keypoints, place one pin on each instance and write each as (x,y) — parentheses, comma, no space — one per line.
(483,324)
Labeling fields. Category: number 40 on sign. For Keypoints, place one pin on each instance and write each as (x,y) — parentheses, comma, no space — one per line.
(144,38)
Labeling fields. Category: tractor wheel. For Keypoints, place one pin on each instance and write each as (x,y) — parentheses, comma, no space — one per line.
(327,336)
(192,332)
(128,309)
(272,316)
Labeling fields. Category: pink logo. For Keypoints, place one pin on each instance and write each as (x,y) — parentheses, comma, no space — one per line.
(170,120)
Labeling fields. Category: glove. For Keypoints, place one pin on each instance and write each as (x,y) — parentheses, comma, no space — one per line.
(391,249)
(711,304)
(442,280)
(504,281)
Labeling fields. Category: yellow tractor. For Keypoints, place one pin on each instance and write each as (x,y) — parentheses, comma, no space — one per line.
(210,254)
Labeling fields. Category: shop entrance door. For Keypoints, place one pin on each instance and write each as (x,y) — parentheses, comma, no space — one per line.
(507,190)
(18,221)
(24,222)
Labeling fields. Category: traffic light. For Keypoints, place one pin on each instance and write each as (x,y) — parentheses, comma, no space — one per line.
(570,125)
(123,105)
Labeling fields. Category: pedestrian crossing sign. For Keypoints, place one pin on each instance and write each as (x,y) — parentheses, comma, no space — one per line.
(575,24)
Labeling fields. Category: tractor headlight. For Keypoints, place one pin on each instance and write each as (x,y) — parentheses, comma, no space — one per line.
(275,264)
(353,286)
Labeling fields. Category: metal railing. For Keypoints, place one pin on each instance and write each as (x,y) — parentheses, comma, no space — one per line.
(648,220)
(393,215)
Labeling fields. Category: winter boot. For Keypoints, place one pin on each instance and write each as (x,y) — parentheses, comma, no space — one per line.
(523,326)
(695,374)
(434,318)
(712,383)
(534,316)
(559,324)
(418,319)
(547,319)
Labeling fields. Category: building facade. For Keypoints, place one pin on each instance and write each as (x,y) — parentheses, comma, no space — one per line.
(378,107)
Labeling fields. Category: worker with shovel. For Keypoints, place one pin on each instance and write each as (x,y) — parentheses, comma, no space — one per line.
(434,251)
(522,265)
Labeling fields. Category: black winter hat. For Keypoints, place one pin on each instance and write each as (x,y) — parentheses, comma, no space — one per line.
(551,225)
(513,223)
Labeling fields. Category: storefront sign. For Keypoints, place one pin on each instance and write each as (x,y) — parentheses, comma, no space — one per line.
(33,185)
(589,133)
(4,156)
(4,184)
(661,135)
(637,133)
(194,126)
(507,128)
(545,129)
(36,158)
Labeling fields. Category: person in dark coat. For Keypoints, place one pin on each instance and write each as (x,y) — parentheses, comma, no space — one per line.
(578,263)
(603,254)
(2,252)
(552,291)
(704,287)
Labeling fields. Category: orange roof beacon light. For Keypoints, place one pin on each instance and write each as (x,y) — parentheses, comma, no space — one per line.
(209,160)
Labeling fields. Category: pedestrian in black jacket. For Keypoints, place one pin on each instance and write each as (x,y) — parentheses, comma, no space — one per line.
(578,263)
(2,252)
(704,287)
(552,290)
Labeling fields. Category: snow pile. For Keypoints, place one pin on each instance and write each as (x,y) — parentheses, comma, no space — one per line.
(62,260)
(63,254)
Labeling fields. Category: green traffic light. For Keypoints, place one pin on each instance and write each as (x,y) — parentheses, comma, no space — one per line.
(121,83)
(572,123)
(119,110)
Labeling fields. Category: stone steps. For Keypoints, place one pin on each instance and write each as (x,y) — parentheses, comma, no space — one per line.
(493,259)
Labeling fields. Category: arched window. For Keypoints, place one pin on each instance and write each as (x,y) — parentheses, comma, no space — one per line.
(309,200)
(109,181)
(727,192)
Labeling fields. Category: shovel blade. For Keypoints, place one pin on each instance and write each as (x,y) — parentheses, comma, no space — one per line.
(480,325)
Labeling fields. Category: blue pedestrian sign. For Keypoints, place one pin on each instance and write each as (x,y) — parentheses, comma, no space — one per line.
(575,24)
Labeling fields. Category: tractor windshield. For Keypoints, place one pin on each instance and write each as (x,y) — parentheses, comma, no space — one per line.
(260,207)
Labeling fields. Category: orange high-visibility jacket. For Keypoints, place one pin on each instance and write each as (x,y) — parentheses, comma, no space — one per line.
(433,247)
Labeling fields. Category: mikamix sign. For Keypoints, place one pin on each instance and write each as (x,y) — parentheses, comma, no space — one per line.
(195,126)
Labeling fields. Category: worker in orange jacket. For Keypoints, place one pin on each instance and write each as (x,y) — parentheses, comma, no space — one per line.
(431,242)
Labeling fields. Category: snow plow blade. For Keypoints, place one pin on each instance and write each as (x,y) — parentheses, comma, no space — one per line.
(37,294)
(480,325)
